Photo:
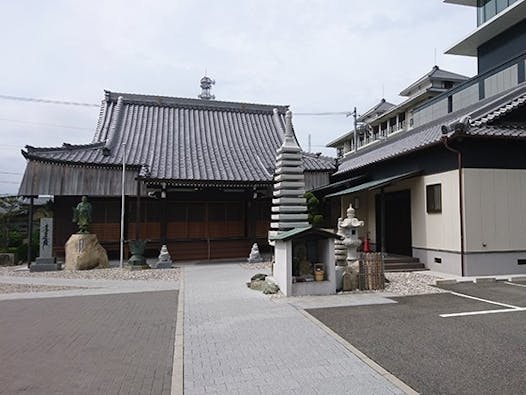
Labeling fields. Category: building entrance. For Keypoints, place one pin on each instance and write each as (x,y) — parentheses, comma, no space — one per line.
(397,223)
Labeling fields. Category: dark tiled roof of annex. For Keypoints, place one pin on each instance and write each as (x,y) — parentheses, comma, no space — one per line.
(184,139)
(482,116)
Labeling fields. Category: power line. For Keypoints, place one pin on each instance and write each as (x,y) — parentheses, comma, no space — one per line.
(8,182)
(44,124)
(346,113)
(10,172)
(48,101)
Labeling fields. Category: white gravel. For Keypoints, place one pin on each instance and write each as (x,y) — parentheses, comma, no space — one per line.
(411,283)
(113,273)
(401,283)
(6,288)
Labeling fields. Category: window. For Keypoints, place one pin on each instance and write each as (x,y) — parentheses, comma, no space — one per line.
(434,198)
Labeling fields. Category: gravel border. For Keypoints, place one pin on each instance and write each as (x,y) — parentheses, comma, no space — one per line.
(7,288)
(113,273)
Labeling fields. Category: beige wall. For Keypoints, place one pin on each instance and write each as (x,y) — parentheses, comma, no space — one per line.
(439,231)
(495,209)
(431,231)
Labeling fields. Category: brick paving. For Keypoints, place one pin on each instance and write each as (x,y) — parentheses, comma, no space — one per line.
(239,341)
(104,344)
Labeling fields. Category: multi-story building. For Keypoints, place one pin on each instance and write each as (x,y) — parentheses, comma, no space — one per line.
(451,189)
(386,119)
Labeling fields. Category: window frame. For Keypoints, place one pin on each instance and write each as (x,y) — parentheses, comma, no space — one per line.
(434,198)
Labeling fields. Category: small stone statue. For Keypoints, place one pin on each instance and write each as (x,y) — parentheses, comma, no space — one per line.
(165,260)
(254,256)
(82,215)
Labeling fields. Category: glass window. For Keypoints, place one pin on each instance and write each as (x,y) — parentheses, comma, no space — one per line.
(434,198)
(490,9)
(501,4)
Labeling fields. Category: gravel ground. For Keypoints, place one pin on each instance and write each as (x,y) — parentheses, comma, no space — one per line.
(401,283)
(113,273)
(411,283)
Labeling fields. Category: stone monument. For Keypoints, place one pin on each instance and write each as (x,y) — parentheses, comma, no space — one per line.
(83,250)
(165,260)
(254,256)
(45,261)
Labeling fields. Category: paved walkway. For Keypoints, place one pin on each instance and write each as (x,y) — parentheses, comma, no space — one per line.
(239,341)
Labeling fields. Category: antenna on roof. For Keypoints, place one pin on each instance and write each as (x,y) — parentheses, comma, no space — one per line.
(206,86)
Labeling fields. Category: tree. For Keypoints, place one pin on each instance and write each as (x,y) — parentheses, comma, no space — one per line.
(314,209)
(10,207)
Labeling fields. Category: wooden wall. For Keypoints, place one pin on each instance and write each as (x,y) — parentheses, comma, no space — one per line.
(195,226)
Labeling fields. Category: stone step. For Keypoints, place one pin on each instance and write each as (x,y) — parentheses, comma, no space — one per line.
(404,266)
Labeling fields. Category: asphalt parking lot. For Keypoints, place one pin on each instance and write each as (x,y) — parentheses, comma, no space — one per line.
(103,344)
(470,341)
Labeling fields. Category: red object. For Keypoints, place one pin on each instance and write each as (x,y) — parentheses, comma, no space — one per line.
(366,245)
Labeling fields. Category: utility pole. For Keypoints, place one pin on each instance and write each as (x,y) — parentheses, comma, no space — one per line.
(355,116)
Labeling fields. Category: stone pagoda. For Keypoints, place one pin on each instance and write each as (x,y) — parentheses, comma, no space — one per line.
(289,206)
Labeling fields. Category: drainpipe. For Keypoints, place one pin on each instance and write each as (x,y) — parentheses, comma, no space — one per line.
(460,201)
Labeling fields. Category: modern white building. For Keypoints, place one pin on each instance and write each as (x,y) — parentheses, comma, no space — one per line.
(450,189)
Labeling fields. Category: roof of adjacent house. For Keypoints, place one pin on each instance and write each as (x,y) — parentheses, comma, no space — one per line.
(375,111)
(436,73)
(173,138)
(481,115)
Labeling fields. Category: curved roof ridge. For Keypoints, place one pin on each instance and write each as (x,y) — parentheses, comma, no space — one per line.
(169,101)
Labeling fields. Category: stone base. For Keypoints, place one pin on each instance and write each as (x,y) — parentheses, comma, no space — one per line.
(45,267)
(132,268)
(7,259)
(83,252)
(163,265)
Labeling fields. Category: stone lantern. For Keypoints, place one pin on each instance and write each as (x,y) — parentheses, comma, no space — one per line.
(349,226)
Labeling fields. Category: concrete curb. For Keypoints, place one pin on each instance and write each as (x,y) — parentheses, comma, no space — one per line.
(177,387)
(516,279)
(380,370)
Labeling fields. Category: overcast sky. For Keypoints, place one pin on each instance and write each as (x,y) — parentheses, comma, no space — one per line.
(316,56)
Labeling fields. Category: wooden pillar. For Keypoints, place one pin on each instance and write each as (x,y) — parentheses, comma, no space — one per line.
(138,212)
(30,230)
(164,220)
(382,220)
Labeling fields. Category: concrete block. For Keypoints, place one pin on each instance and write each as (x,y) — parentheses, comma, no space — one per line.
(516,279)
(445,281)
(483,280)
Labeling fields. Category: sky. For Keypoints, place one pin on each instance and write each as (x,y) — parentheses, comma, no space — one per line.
(314,55)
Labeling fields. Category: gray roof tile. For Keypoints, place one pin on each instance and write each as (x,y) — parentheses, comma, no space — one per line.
(184,139)
(481,114)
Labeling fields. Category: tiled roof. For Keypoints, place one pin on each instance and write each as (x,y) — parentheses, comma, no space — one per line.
(436,73)
(481,115)
(184,139)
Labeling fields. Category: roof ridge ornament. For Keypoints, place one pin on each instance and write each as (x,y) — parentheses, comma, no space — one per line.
(206,86)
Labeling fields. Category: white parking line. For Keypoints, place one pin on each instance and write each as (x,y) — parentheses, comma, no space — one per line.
(510,308)
(515,284)
(482,312)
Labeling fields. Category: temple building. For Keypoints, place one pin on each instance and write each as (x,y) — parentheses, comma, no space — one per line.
(445,181)
(198,174)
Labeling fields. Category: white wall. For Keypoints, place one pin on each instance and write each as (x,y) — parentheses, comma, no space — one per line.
(495,209)
(501,81)
(466,97)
